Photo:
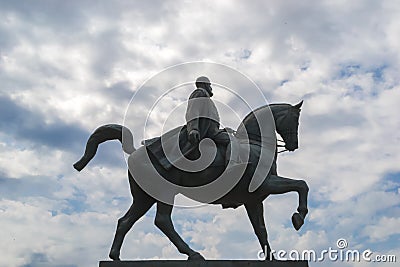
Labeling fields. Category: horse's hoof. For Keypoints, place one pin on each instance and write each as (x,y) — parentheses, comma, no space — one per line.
(114,255)
(196,257)
(270,259)
(297,221)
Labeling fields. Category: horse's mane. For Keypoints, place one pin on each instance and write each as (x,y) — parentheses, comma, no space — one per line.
(277,107)
(249,125)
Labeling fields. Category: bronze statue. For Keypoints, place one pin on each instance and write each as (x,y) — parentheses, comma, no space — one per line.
(286,119)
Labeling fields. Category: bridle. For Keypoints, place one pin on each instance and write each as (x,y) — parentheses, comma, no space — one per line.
(279,145)
(286,132)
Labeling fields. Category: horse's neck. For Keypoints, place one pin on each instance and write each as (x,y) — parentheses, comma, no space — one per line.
(278,110)
(251,129)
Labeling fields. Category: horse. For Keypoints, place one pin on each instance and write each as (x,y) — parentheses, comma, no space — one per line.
(286,119)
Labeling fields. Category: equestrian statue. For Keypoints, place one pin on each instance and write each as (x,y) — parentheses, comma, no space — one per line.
(163,156)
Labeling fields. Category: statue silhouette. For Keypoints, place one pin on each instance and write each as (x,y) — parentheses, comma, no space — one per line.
(286,118)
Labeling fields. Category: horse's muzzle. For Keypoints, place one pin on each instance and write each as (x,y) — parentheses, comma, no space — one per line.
(292,147)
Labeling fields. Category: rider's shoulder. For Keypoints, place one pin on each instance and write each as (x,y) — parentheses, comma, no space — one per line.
(199,92)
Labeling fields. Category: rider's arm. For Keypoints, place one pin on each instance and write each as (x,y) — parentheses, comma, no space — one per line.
(194,110)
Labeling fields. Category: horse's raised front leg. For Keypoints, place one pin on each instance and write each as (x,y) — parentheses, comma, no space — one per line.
(255,211)
(142,203)
(279,185)
(164,222)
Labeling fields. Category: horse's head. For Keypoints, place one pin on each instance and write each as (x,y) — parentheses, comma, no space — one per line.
(285,117)
(287,123)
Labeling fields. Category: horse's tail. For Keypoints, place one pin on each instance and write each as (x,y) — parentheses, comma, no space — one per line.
(102,134)
(127,140)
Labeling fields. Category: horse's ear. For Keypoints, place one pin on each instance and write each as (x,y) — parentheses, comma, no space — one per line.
(298,106)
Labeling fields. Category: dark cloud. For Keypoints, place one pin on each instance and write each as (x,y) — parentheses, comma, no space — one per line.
(30,129)
(46,13)
(109,50)
(7,39)
(120,91)
(31,186)
(71,17)
(23,124)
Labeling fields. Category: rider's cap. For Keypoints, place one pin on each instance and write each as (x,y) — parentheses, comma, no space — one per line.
(203,79)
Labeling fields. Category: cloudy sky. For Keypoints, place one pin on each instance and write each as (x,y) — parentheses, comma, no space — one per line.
(67,67)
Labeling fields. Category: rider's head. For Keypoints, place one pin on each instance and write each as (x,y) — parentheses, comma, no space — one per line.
(204,82)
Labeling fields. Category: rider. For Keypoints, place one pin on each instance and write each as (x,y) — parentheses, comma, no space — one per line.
(202,116)
(202,121)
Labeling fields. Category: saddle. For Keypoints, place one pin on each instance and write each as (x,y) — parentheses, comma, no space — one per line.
(226,153)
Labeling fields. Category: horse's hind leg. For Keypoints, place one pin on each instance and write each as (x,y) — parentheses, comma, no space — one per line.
(280,185)
(164,222)
(142,203)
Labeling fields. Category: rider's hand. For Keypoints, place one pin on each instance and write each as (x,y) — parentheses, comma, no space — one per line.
(194,137)
(229,130)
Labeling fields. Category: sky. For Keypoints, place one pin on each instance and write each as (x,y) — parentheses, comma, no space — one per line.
(67,67)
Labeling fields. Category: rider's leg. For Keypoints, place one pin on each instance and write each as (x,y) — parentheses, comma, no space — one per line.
(222,137)
(232,155)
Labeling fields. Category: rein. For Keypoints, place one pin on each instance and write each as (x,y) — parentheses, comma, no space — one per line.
(278,145)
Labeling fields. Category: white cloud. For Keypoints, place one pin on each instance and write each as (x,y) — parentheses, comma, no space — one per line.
(76,63)
(386,227)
